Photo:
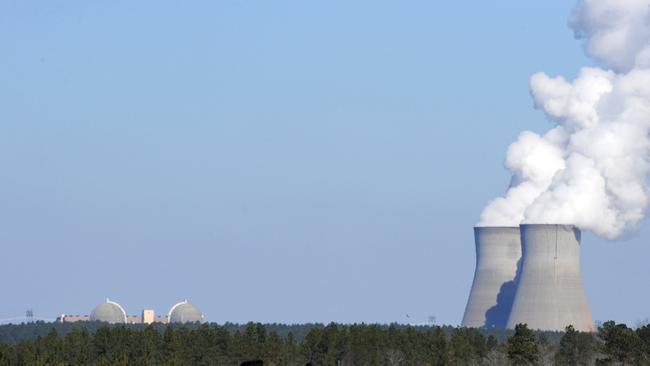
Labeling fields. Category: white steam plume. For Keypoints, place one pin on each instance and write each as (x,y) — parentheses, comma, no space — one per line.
(590,169)
(617,32)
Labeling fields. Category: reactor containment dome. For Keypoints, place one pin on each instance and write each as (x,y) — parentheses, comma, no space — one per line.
(110,312)
(184,312)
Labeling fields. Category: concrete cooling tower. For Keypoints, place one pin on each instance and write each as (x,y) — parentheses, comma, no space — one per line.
(550,294)
(498,249)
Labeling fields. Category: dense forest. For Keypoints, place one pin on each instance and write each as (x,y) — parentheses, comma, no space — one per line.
(316,344)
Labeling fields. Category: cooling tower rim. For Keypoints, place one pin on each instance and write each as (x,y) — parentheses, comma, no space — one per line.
(489,230)
(528,229)
(480,227)
(569,226)
(495,227)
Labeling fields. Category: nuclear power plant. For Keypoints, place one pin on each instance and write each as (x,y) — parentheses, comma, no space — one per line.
(530,274)
(113,313)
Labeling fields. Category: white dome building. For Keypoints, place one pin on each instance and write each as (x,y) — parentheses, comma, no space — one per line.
(110,312)
(184,312)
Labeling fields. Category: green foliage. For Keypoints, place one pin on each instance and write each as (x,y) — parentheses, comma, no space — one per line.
(644,336)
(523,348)
(576,348)
(439,348)
(468,346)
(210,344)
(622,345)
(91,343)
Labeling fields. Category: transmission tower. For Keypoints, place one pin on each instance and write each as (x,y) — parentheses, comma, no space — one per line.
(29,314)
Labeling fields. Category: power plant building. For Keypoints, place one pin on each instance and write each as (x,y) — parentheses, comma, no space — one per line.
(113,313)
(109,312)
(184,312)
(148,316)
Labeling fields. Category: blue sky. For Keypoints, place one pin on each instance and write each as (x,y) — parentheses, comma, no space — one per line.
(276,161)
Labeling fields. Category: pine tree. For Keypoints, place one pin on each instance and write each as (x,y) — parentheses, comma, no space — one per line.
(622,344)
(575,348)
(439,348)
(523,349)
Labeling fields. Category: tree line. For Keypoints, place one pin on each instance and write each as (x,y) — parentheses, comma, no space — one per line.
(333,344)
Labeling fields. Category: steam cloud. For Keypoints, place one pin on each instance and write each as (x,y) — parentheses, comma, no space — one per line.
(590,169)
